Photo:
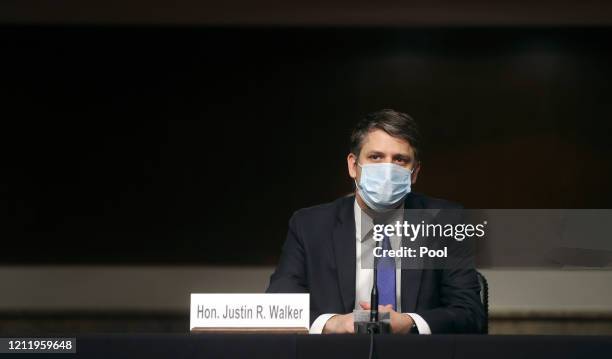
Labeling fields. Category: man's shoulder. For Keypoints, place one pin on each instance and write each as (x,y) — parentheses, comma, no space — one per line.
(419,200)
(327,210)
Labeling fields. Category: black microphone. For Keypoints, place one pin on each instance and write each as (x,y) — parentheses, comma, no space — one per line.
(374,325)
(374,295)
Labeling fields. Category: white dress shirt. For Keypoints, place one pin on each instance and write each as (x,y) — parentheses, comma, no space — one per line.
(364,278)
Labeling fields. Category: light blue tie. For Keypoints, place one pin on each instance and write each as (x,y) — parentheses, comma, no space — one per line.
(385,268)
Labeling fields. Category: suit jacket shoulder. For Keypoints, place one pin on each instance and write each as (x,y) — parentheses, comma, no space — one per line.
(418,200)
(324,214)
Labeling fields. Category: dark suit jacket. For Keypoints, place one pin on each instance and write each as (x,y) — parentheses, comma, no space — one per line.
(319,257)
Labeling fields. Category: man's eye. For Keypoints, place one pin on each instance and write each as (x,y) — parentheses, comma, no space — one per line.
(375,157)
(404,163)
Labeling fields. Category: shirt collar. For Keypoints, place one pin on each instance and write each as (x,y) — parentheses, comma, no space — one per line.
(367,220)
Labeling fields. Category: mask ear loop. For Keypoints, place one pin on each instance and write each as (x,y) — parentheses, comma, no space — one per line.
(355,179)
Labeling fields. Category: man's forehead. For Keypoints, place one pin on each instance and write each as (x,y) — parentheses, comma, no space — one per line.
(379,140)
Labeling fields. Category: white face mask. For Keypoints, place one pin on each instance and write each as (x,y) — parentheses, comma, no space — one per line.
(383,185)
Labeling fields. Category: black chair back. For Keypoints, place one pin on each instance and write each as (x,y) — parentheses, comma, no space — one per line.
(484,298)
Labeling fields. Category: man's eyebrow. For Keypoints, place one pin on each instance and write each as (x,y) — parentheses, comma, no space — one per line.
(405,155)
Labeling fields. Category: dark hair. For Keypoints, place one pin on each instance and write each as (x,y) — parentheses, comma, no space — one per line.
(396,124)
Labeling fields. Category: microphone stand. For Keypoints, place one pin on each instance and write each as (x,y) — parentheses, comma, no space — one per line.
(374,326)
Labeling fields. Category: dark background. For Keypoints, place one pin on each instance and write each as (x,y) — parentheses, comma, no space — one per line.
(194,144)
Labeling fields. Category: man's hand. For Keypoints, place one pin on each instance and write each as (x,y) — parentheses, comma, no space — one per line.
(339,324)
(400,322)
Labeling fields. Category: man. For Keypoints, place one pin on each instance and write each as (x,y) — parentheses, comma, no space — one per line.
(321,255)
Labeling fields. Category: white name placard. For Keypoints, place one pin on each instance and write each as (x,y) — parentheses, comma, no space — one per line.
(269,310)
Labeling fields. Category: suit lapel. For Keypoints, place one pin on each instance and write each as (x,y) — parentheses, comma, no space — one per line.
(411,278)
(411,281)
(344,243)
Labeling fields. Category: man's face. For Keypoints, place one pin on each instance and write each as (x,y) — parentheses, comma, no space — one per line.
(380,147)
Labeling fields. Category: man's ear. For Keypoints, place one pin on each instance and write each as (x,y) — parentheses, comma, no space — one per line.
(351,162)
(415,173)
